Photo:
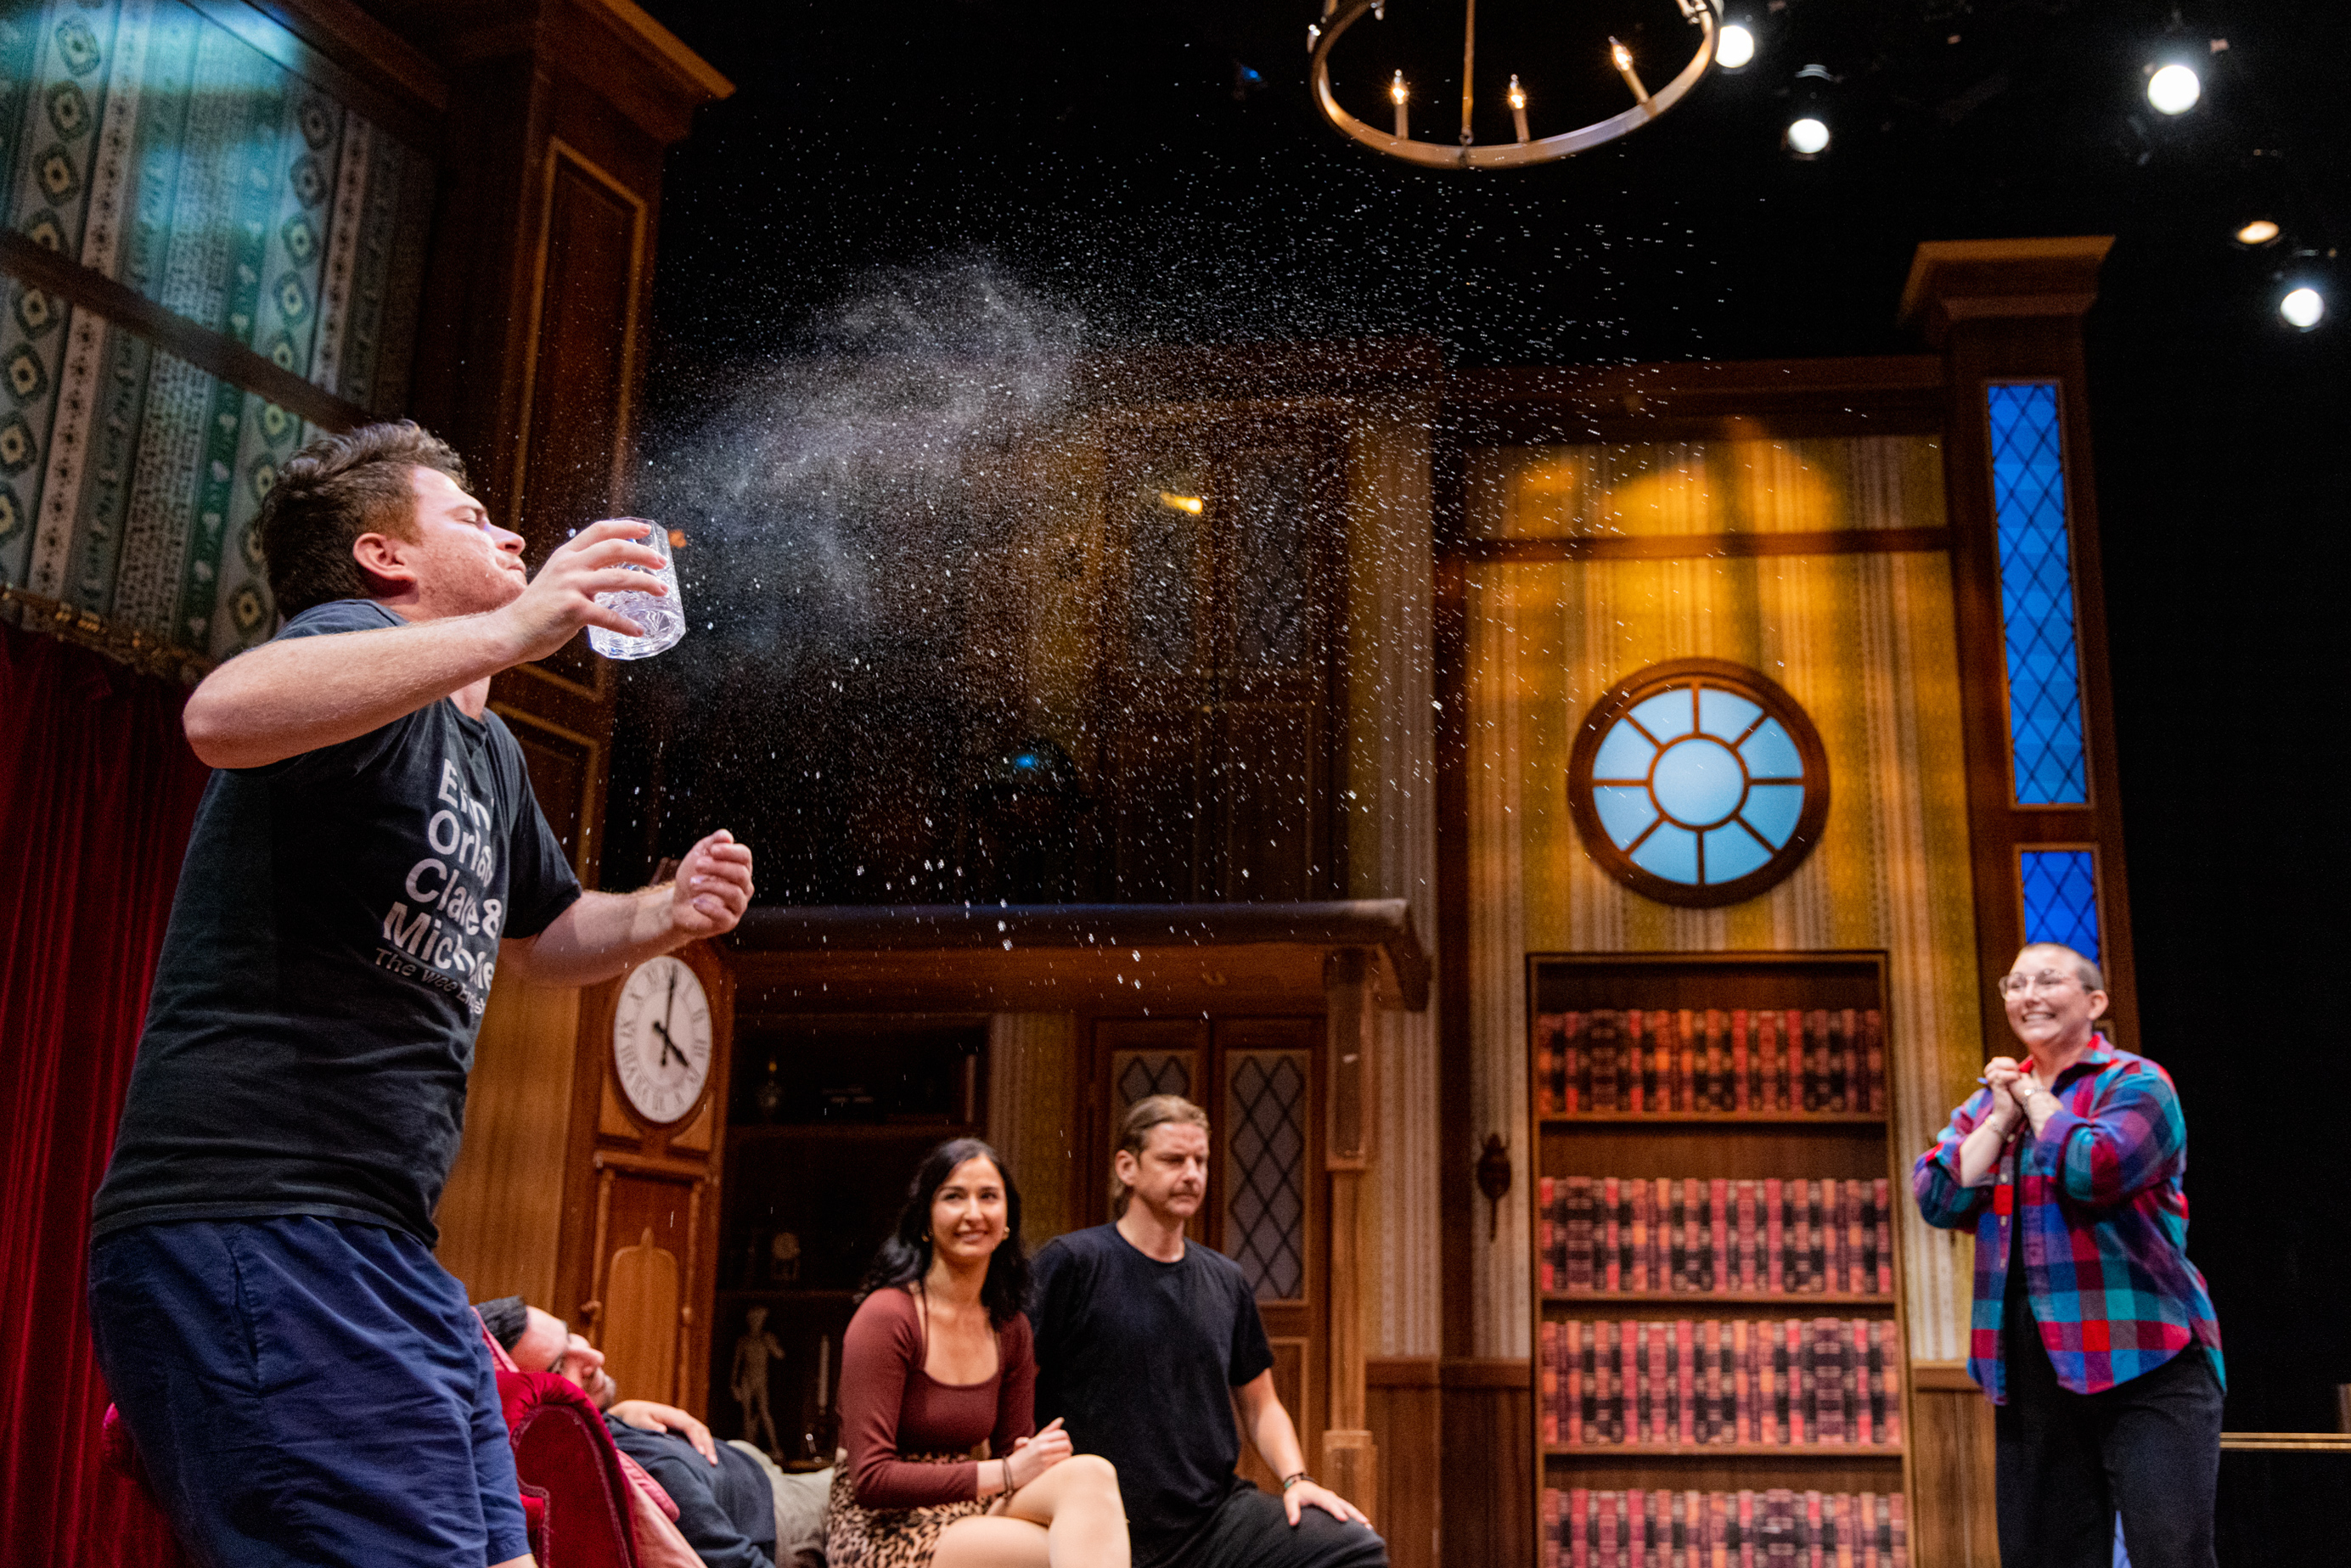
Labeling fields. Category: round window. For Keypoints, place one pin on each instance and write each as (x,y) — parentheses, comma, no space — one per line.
(1698,783)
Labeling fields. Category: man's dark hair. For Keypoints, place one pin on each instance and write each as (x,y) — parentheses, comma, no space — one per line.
(506,1318)
(906,1256)
(331,492)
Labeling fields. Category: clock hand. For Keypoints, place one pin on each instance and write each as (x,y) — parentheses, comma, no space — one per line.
(669,1047)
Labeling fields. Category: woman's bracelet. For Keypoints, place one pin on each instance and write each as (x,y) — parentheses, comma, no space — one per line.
(1293,1479)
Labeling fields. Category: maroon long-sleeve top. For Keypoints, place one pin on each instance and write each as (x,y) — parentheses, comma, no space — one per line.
(890,1405)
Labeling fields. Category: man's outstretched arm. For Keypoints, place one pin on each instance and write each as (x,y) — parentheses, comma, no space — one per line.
(603,933)
(1275,1438)
(299,693)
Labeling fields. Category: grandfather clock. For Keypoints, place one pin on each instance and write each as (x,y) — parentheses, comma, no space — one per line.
(637,1241)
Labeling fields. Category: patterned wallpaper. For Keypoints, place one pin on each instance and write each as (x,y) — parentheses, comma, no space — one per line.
(1863,642)
(159,148)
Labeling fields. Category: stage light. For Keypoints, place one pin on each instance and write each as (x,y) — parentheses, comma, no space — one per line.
(1808,136)
(2260,232)
(2174,90)
(1736,49)
(2304,308)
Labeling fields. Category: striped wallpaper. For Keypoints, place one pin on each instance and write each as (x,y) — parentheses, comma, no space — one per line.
(1863,642)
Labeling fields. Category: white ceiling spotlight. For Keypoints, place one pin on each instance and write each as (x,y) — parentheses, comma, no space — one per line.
(2303,308)
(2174,89)
(1807,135)
(1734,49)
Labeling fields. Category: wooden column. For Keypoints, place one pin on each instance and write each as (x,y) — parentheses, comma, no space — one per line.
(1350,1458)
(2006,311)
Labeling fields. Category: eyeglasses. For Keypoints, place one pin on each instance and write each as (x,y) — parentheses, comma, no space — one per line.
(2047,980)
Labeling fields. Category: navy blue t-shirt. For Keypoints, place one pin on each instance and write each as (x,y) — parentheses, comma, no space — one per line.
(324,970)
(1139,1359)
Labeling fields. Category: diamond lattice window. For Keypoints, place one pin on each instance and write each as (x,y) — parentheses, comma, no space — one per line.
(1264,1217)
(2036,596)
(2060,898)
(1139,1075)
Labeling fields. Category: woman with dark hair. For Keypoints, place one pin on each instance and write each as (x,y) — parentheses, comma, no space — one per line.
(936,1363)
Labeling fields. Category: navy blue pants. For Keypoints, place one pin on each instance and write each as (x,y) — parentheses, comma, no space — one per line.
(306,1390)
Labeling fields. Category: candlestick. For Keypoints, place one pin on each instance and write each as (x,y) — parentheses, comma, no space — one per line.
(1401,95)
(823,1368)
(1623,57)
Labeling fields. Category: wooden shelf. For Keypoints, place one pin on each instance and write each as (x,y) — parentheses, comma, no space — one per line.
(1718,1119)
(1723,1451)
(1718,1299)
(858,1132)
(792,1292)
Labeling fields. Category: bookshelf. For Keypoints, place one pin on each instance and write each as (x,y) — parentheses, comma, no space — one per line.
(1720,1352)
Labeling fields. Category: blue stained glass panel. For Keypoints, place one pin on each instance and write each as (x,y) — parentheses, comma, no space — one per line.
(1772,810)
(1670,852)
(1624,809)
(2036,596)
(1731,852)
(1669,714)
(2060,898)
(1625,753)
(1725,715)
(1772,754)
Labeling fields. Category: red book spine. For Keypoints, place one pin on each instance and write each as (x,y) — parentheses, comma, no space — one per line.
(1814,1542)
(1767,1049)
(1816,1240)
(1579,1528)
(1718,1212)
(1602,1042)
(1571,1357)
(1739,1100)
(1883,1191)
(1750,1271)
(1579,1233)
(1841,1077)
(1859,1236)
(1715,1545)
(1686,1059)
(1889,1373)
(1774,1237)
(1718,1064)
(1606,1505)
(1873,1053)
(1546,1032)
(1693,1419)
(1803,1409)
(1843,1526)
(1869,1408)
(1636,1043)
(1742,1388)
(1864,1270)
(1567,1068)
(1637,1382)
(1637,1272)
(1604,1374)
(1637,1553)
(1547,1382)
(1612,1236)
(1551,1527)
(1591,1415)
(1709,1382)
(1545,1191)
(1747,1541)
(1901,1533)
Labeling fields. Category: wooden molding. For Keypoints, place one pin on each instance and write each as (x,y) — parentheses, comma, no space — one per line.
(1943,1377)
(1698,546)
(1400,1371)
(1952,281)
(1511,1372)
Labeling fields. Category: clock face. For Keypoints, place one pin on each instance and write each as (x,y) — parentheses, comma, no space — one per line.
(661,1040)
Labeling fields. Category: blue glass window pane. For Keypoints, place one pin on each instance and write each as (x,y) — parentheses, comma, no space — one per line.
(1667,714)
(1770,754)
(1699,782)
(1731,852)
(1725,714)
(2036,596)
(1624,809)
(2060,898)
(1670,852)
(1772,809)
(1625,753)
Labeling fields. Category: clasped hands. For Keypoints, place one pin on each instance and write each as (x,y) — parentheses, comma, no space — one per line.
(2012,1083)
(1032,1456)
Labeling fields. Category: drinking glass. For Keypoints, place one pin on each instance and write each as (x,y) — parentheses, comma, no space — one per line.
(662,617)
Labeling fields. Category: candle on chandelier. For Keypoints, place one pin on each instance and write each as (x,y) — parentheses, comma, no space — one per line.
(1623,57)
(1401,95)
(1517,98)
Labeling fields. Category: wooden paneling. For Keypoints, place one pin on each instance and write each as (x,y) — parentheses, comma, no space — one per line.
(1953,1520)
(566,776)
(1403,1408)
(500,1211)
(1289,1358)
(1486,1422)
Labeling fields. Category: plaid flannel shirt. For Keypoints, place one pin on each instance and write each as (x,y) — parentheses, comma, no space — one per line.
(2105,1226)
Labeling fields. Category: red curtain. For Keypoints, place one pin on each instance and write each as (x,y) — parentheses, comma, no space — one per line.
(98,789)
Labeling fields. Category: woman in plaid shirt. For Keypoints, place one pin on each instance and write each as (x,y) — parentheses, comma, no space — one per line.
(2092,1331)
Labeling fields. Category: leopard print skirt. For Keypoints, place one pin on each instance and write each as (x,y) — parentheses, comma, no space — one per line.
(857,1537)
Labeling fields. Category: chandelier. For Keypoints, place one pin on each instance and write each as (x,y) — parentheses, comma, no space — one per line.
(1338,15)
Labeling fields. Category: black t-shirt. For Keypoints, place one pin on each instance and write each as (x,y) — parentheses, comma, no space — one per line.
(325,969)
(726,1511)
(1139,1358)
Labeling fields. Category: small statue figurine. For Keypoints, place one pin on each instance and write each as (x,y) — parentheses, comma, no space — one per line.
(783,1259)
(749,1379)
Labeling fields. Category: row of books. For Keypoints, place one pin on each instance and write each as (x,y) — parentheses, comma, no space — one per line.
(1602,1235)
(1800,1382)
(1689,1060)
(1775,1529)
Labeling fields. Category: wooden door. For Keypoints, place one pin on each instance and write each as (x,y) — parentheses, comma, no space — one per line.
(1261,1080)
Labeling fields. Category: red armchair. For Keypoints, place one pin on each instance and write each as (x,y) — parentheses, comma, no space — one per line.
(575,1502)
